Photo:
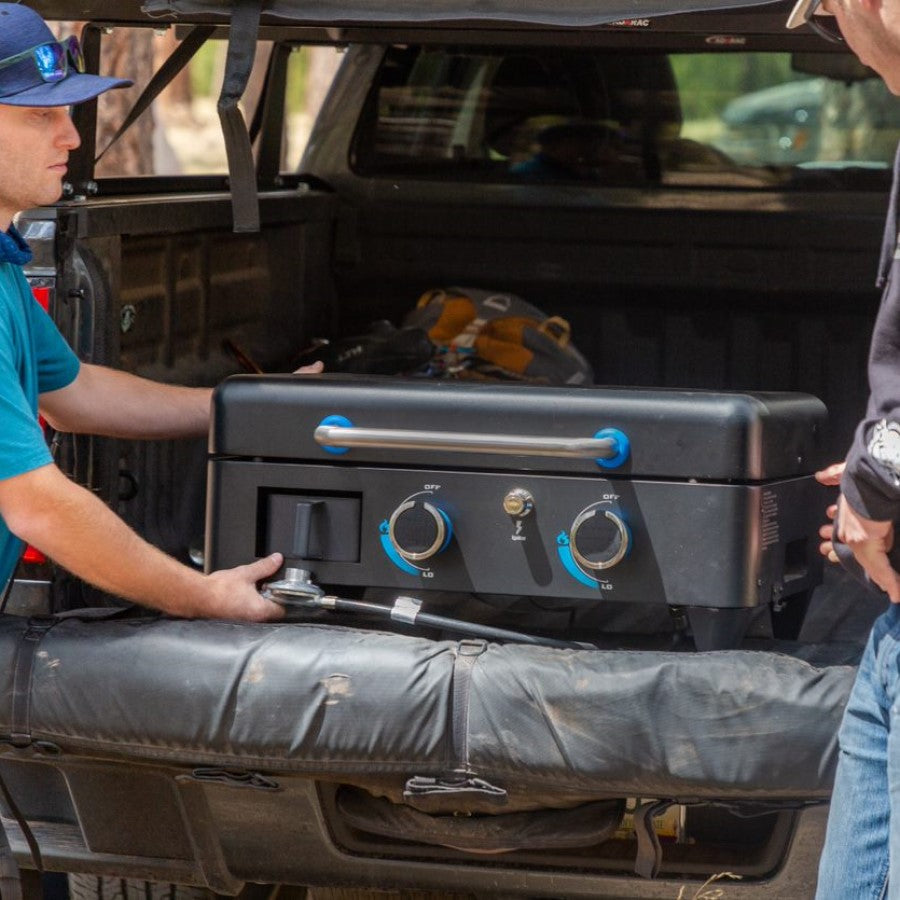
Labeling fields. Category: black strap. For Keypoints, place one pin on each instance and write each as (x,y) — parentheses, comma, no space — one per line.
(466,656)
(238,65)
(204,838)
(14,883)
(429,794)
(177,60)
(24,827)
(12,886)
(20,726)
(649,850)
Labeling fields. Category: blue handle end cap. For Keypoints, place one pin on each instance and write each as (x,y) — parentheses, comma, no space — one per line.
(622,446)
(340,422)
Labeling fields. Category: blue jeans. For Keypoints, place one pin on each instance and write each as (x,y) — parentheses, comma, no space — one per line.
(861,859)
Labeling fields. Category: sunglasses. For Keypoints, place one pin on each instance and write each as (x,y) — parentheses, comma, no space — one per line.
(52,60)
(824,26)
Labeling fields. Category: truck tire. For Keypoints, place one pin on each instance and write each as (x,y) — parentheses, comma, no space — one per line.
(99,887)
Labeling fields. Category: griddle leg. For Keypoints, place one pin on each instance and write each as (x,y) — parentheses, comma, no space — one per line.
(718,629)
(788,616)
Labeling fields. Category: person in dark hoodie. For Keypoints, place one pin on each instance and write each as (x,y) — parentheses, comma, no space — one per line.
(861,857)
(40,78)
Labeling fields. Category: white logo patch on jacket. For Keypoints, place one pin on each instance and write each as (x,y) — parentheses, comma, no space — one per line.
(885,447)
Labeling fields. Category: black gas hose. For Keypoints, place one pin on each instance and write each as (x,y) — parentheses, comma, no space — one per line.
(296,592)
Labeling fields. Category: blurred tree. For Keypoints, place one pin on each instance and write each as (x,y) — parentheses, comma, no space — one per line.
(180,92)
(323,64)
(126,53)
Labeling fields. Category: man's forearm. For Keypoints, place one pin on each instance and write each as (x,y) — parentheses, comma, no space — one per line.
(117,404)
(79,532)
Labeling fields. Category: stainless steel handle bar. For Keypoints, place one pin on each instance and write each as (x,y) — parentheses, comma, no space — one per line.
(465,442)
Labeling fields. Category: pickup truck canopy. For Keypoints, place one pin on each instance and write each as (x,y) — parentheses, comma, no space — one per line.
(568,13)
(397,13)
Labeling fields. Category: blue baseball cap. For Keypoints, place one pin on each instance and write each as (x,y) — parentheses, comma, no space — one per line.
(28,47)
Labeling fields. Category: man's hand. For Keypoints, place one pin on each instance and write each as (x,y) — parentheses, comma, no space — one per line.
(869,541)
(830,476)
(312,369)
(236,596)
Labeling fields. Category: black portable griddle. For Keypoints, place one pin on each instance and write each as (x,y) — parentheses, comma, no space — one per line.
(694,500)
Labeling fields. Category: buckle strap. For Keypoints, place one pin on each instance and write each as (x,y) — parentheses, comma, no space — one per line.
(20,724)
(649,849)
(467,655)
(11,881)
(20,716)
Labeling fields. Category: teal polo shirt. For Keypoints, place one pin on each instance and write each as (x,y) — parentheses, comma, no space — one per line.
(34,358)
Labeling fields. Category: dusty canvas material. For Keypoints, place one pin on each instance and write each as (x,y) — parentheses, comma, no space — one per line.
(338,702)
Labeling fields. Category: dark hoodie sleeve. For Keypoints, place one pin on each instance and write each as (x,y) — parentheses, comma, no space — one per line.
(871,480)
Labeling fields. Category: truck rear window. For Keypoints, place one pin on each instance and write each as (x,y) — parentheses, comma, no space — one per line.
(736,119)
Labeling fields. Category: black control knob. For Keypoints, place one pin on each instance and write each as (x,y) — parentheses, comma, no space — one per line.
(419,530)
(599,539)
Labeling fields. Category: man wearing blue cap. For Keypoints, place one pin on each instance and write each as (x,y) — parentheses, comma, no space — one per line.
(861,858)
(40,78)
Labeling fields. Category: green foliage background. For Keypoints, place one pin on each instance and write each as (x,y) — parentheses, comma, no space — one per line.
(206,68)
(707,81)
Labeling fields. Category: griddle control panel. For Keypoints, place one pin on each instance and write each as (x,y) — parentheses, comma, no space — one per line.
(516,533)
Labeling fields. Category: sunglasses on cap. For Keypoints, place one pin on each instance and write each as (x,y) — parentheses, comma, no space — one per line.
(824,26)
(53,60)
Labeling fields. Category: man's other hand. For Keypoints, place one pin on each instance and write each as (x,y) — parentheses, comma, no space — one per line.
(830,476)
(869,541)
(312,369)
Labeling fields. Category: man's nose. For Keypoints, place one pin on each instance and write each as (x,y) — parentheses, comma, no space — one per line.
(68,137)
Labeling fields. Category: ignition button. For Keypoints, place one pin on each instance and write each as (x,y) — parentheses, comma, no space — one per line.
(518,502)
